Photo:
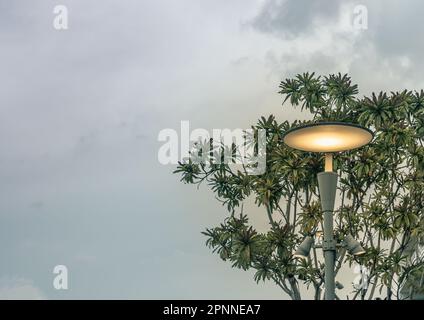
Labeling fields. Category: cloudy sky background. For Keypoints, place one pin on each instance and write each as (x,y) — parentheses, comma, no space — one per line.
(81,109)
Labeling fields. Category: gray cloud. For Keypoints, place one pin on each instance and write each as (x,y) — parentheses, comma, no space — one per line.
(80,111)
(295,17)
(316,36)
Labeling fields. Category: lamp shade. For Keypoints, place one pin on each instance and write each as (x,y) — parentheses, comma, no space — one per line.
(304,248)
(353,246)
(328,137)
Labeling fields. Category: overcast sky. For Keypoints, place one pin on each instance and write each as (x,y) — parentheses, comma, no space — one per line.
(81,109)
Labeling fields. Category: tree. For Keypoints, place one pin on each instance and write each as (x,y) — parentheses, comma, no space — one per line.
(380,190)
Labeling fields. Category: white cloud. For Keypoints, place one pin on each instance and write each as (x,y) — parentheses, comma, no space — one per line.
(19,289)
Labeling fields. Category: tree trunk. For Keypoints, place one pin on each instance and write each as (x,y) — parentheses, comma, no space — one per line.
(295,288)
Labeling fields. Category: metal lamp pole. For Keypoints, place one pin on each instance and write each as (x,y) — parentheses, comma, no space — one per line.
(327,184)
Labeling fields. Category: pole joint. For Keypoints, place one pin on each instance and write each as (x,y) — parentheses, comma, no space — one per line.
(329,245)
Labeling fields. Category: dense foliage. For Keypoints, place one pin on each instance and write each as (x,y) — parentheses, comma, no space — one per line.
(380,190)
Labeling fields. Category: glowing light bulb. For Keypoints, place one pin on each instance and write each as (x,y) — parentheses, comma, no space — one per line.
(327,141)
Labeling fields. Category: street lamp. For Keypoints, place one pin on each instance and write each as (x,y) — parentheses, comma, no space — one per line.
(329,137)
(304,248)
(353,246)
